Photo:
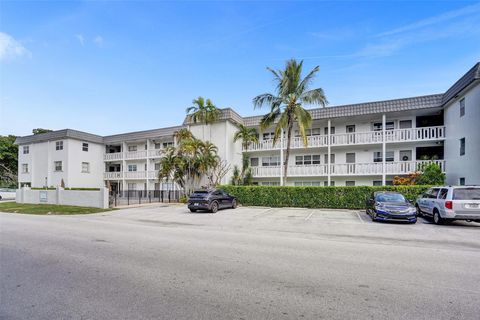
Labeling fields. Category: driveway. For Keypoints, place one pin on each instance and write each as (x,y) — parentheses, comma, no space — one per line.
(162,262)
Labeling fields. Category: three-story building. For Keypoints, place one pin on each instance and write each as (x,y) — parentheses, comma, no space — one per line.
(358,144)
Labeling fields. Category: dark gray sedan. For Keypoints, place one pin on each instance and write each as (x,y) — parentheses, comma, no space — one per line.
(211,200)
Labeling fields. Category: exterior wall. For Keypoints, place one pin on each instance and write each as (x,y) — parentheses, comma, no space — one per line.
(41,160)
(96,199)
(221,134)
(467,127)
(77,178)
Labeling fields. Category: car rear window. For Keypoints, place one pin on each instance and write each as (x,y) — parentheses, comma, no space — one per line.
(200,193)
(466,194)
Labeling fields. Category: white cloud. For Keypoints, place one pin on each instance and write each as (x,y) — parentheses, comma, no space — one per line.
(444,17)
(98,40)
(80,39)
(11,48)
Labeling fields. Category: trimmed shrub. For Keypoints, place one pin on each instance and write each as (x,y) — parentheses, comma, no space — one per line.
(314,197)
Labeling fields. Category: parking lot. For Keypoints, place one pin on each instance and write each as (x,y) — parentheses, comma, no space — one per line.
(163,262)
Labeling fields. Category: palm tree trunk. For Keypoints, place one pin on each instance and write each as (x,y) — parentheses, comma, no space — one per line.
(287,152)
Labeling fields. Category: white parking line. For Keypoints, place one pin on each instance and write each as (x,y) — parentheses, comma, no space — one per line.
(359,217)
(309,216)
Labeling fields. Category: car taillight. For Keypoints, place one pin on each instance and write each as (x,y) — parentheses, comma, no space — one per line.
(449,204)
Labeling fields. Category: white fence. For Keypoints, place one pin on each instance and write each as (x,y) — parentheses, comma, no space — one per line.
(83,198)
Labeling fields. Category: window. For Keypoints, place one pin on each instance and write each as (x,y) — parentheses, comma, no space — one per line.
(462,107)
(132,186)
(307,159)
(145,168)
(461,181)
(132,148)
(270,183)
(350,183)
(85,167)
(309,132)
(434,193)
(25,168)
(307,183)
(443,194)
(332,130)
(268,135)
(157,145)
(332,158)
(462,146)
(132,167)
(389,125)
(57,165)
(59,145)
(157,165)
(254,162)
(168,144)
(26,149)
(389,156)
(85,147)
(325,183)
(377,183)
(405,124)
(270,161)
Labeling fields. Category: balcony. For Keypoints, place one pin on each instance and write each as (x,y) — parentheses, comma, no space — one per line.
(357,138)
(141,175)
(133,155)
(117,175)
(345,169)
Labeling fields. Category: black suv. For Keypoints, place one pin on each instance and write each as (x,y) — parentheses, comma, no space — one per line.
(211,200)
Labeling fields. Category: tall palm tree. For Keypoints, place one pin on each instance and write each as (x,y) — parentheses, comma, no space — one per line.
(286,106)
(203,111)
(248,136)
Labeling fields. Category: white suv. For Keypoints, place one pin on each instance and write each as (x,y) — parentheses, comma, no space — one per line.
(450,203)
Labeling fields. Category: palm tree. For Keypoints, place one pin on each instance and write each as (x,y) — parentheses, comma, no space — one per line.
(248,136)
(203,111)
(286,105)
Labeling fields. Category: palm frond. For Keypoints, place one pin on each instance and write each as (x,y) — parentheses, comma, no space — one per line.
(315,96)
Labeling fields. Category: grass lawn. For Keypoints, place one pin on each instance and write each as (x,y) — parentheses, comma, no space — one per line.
(46,209)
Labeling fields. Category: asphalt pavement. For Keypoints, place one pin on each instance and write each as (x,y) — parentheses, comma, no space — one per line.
(162,262)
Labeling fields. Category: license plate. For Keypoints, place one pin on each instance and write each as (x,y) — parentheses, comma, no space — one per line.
(195,204)
(472,206)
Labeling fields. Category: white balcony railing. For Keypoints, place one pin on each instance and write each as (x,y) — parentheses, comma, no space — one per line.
(346,169)
(136,175)
(113,156)
(119,175)
(132,155)
(136,154)
(113,175)
(357,138)
(155,153)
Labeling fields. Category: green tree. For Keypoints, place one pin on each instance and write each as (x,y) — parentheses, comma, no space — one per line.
(203,111)
(286,106)
(189,161)
(248,136)
(40,130)
(431,175)
(8,161)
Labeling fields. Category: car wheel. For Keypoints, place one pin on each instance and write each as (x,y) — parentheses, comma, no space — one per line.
(193,210)
(214,207)
(437,219)
(234,204)
(419,212)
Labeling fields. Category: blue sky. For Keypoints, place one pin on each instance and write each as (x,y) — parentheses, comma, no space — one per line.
(117,66)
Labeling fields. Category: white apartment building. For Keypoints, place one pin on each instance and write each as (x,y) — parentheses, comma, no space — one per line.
(359,144)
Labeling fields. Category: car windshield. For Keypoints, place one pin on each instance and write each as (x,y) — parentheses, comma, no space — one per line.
(390,197)
(466,194)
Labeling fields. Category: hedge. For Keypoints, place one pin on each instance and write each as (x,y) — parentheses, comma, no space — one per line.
(314,197)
